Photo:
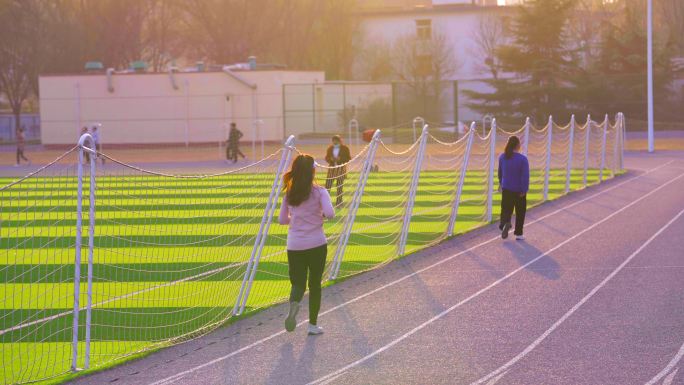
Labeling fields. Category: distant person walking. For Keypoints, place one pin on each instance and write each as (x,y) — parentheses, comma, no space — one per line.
(21,143)
(514,182)
(96,138)
(337,157)
(233,147)
(304,208)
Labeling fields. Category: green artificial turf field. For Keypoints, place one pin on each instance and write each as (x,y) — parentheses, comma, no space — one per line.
(170,255)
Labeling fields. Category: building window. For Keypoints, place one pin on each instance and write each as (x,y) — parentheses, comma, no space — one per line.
(424,29)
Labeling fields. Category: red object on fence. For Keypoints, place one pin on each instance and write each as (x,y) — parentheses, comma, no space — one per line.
(368,135)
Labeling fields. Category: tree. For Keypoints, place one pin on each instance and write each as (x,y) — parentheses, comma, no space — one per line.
(19,64)
(303,34)
(616,82)
(162,38)
(489,35)
(672,13)
(334,32)
(541,61)
(423,65)
(111,30)
(374,62)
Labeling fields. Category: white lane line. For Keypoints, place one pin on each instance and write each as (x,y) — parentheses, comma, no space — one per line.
(669,367)
(670,377)
(380,288)
(579,304)
(497,378)
(324,379)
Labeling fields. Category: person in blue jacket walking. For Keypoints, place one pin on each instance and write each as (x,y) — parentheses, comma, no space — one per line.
(514,182)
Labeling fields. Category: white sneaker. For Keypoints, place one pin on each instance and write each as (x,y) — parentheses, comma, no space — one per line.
(315,330)
(519,237)
(291,320)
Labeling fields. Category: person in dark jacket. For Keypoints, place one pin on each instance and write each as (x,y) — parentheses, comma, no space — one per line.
(514,182)
(86,154)
(233,147)
(21,142)
(337,157)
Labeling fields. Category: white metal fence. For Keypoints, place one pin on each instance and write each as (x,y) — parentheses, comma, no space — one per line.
(155,259)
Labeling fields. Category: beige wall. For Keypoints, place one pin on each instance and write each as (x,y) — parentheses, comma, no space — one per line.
(145,108)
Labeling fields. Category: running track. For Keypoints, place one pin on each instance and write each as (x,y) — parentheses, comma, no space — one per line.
(594,296)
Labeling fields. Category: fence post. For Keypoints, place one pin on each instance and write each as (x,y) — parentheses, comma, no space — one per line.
(353,207)
(547,165)
(461,180)
(403,237)
(587,136)
(571,146)
(77,263)
(261,236)
(492,161)
(616,143)
(623,133)
(603,148)
(77,260)
(91,244)
(526,136)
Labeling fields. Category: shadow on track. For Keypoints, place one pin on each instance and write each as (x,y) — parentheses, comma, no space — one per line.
(547,267)
(288,363)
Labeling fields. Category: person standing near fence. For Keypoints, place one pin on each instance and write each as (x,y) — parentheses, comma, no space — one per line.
(305,206)
(233,147)
(337,157)
(21,143)
(86,154)
(96,138)
(514,182)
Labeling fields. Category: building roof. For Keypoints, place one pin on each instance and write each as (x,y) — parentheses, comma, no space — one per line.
(418,7)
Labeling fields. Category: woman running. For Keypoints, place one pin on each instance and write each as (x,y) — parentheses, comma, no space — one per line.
(514,181)
(304,208)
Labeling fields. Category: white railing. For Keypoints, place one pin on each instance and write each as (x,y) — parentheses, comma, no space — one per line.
(171,257)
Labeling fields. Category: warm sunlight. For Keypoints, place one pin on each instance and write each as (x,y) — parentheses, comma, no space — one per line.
(275,192)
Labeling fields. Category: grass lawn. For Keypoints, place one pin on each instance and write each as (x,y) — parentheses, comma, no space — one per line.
(170,255)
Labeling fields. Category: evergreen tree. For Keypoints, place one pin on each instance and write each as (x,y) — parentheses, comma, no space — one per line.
(617,81)
(537,66)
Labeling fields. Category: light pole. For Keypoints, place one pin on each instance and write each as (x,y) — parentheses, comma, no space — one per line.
(650,74)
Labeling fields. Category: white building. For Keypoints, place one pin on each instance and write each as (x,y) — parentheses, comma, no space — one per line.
(169,108)
(385,21)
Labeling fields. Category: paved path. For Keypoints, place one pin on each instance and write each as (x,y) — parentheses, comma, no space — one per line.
(594,296)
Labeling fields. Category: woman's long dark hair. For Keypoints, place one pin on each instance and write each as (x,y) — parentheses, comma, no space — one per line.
(511,145)
(299,180)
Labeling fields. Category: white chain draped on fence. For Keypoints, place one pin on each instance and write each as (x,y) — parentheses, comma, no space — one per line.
(168,257)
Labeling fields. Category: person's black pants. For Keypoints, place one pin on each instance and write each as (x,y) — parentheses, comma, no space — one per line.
(339,182)
(20,155)
(511,201)
(98,148)
(233,151)
(309,262)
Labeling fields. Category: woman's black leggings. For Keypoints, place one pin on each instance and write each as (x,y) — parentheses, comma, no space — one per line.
(309,262)
(511,201)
